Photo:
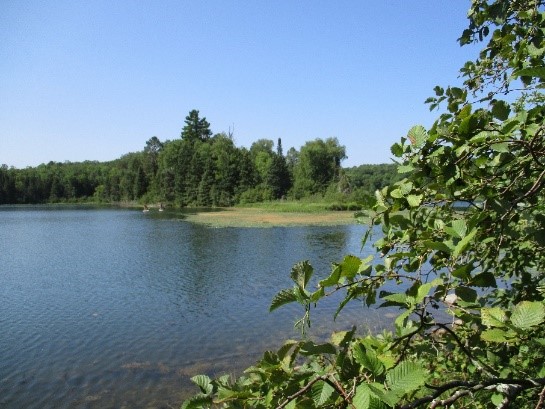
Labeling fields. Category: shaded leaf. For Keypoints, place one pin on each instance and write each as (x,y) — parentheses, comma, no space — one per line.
(285,296)
(301,273)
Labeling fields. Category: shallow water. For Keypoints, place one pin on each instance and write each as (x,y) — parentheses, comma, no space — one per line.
(118,308)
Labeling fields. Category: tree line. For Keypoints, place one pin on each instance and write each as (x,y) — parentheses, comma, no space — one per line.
(200,169)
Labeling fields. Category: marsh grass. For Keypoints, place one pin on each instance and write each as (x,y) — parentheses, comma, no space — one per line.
(271,215)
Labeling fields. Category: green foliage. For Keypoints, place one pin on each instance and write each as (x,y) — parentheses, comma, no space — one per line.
(461,253)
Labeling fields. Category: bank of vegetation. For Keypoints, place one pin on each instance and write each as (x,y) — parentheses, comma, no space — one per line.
(467,288)
(200,169)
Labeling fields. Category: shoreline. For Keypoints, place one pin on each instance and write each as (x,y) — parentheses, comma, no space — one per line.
(256,217)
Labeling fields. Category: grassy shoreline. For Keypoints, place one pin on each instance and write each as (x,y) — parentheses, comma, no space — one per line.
(267,217)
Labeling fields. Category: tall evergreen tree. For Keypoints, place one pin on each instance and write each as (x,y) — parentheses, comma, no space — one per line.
(196,128)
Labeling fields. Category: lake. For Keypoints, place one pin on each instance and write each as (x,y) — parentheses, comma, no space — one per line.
(104,307)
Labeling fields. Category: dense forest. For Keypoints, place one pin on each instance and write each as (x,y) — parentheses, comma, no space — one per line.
(200,169)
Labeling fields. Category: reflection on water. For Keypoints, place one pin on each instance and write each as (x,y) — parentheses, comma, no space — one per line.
(117,308)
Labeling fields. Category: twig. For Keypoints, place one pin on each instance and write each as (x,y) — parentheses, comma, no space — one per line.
(541,400)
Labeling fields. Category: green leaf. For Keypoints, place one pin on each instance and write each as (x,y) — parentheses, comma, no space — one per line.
(333,278)
(406,377)
(463,244)
(437,245)
(310,348)
(396,194)
(497,335)
(405,168)
(397,299)
(414,200)
(484,280)
(527,314)
(397,150)
(501,110)
(493,317)
(463,272)
(197,402)
(367,358)
(417,135)
(538,72)
(350,266)
(400,320)
(301,273)
(459,227)
(203,382)
(501,147)
(424,289)
(283,297)
(321,392)
(466,294)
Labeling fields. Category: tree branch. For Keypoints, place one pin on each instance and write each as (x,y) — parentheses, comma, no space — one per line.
(466,387)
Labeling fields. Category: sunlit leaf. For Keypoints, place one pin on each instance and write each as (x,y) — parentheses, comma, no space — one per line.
(527,314)
(321,392)
(203,382)
(493,317)
(406,377)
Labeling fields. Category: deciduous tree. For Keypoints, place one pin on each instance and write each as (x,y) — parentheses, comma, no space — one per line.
(461,254)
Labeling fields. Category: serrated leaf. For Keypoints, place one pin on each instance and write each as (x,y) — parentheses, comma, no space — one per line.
(365,398)
(203,382)
(417,135)
(362,397)
(285,296)
(493,317)
(321,392)
(527,314)
(301,273)
(197,402)
(406,377)
(497,335)
(367,358)
(285,349)
(350,266)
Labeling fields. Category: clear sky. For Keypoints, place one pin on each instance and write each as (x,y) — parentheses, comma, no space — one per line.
(93,80)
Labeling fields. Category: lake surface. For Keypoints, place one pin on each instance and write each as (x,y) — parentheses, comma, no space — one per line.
(118,308)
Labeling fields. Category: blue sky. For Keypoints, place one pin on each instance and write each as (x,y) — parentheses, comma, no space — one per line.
(92,80)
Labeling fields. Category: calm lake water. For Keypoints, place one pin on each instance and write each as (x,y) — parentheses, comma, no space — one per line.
(118,308)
